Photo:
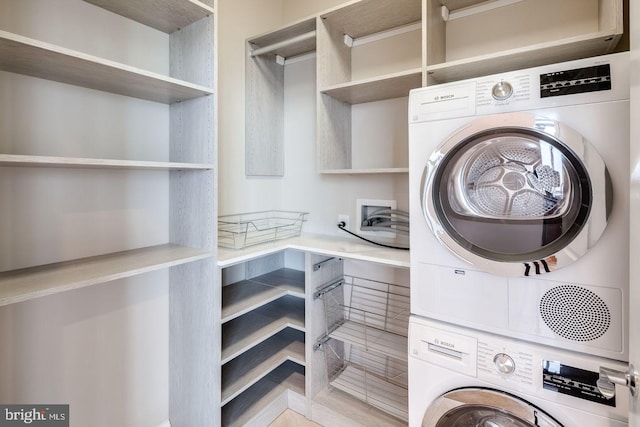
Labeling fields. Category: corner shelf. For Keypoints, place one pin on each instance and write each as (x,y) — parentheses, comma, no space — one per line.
(23,55)
(249,330)
(24,284)
(253,365)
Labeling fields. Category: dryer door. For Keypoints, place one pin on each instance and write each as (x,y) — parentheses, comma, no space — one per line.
(484,408)
(516,194)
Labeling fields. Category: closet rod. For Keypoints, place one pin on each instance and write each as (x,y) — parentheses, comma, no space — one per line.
(284,43)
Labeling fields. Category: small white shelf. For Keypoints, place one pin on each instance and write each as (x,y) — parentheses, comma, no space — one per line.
(364,17)
(24,284)
(244,332)
(242,297)
(390,86)
(253,365)
(18,160)
(287,378)
(34,58)
(164,15)
(375,391)
(374,339)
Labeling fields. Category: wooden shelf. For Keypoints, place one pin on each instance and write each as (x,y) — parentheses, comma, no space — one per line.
(364,17)
(24,284)
(164,15)
(293,40)
(288,377)
(251,329)
(374,390)
(34,58)
(253,365)
(88,163)
(390,86)
(383,342)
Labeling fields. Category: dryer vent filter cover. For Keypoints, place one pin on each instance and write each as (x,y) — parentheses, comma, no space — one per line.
(575,313)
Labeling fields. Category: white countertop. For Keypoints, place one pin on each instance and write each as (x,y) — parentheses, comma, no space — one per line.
(320,244)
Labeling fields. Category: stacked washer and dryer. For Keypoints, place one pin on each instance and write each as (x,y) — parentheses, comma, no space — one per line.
(519,247)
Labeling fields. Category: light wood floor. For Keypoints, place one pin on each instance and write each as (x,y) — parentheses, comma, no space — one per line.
(291,418)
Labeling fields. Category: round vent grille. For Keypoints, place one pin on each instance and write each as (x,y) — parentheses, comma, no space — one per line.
(575,313)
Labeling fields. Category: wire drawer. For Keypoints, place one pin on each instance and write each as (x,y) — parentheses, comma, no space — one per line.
(238,231)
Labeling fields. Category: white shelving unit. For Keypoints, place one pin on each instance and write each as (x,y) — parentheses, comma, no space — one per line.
(339,92)
(470,38)
(263,329)
(190,251)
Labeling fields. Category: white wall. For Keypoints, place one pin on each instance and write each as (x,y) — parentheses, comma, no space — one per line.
(104,349)
(302,188)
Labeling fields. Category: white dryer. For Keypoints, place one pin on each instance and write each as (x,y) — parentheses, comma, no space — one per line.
(460,377)
(519,203)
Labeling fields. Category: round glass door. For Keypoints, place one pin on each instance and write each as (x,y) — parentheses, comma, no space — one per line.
(511,191)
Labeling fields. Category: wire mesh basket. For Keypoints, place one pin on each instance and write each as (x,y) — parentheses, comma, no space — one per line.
(374,378)
(238,231)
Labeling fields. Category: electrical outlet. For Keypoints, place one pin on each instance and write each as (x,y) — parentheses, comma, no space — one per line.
(344,218)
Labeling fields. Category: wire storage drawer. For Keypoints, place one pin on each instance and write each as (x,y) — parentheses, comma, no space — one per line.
(365,346)
(238,231)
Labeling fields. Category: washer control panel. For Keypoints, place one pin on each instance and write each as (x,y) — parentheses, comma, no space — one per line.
(499,361)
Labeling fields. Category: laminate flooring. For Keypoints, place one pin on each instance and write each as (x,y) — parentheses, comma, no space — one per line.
(291,418)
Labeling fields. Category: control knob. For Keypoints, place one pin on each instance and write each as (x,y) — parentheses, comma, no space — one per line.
(502,90)
(504,363)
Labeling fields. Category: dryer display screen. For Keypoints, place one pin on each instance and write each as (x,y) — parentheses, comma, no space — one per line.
(575,382)
(580,80)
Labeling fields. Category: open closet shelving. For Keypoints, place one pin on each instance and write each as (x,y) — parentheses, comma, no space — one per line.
(190,253)
(262,319)
(459,39)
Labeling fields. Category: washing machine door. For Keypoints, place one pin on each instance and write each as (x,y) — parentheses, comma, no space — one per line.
(516,194)
(478,407)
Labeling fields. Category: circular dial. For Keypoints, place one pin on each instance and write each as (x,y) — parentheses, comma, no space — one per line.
(504,363)
(502,91)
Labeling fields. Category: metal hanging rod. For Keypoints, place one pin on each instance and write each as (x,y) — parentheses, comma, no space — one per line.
(273,47)
(448,15)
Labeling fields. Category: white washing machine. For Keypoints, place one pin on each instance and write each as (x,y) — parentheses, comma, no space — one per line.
(519,201)
(461,377)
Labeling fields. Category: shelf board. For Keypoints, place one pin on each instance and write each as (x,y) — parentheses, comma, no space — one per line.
(242,297)
(287,377)
(34,58)
(389,86)
(383,342)
(253,365)
(89,163)
(245,332)
(374,390)
(25,284)
(524,57)
(364,17)
(284,278)
(292,40)
(164,15)
(364,171)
